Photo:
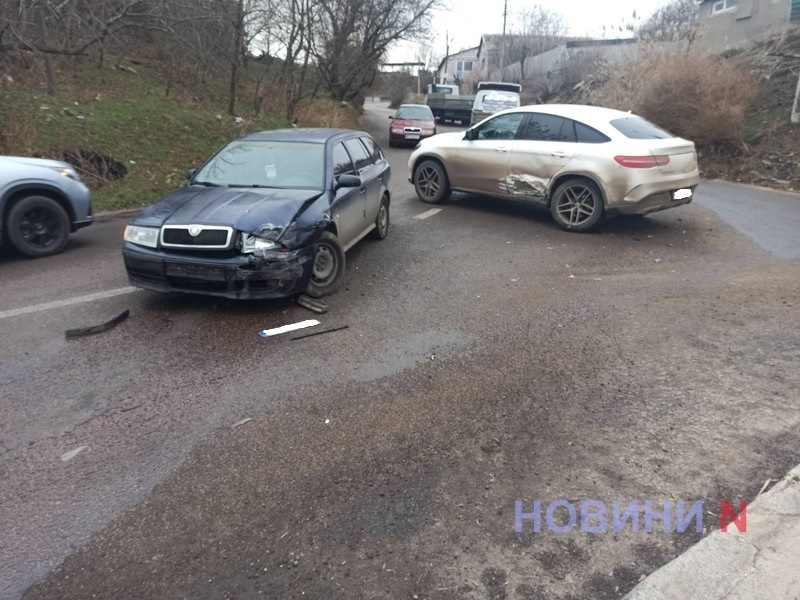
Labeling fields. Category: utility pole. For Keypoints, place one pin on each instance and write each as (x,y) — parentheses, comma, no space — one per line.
(796,107)
(446,56)
(503,40)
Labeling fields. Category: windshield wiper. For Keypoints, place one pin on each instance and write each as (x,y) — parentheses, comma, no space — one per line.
(207,184)
(252,185)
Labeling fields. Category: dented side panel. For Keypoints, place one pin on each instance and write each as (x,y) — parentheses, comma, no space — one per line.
(532,167)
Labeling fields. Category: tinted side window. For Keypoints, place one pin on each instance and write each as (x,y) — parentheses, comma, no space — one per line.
(341,161)
(587,135)
(372,149)
(503,127)
(359,153)
(549,128)
(637,128)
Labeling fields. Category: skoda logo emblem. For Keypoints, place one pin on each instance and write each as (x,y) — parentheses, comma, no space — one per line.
(194,230)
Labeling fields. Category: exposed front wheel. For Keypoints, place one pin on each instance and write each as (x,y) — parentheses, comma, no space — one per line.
(382,220)
(38,226)
(577,205)
(431,183)
(328,269)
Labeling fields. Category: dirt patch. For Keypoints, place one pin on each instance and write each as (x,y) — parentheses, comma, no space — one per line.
(94,165)
(771,154)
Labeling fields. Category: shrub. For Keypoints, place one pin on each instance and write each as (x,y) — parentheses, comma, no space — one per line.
(327,113)
(697,97)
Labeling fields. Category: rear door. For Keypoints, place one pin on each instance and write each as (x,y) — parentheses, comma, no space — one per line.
(481,164)
(380,175)
(545,145)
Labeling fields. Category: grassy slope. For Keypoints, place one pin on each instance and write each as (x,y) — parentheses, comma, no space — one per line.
(127,116)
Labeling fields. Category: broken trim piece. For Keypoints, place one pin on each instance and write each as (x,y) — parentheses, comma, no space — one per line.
(84,331)
(287,328)
(312,304)
(308,335)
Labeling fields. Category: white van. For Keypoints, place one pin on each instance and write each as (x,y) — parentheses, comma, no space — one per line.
(493,97)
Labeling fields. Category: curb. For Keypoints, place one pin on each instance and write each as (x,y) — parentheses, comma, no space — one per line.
(761,563)
(761,188)
(110,214)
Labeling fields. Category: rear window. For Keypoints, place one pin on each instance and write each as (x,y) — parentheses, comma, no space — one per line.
(637,128)
(373,149)
(358,153)
(495,101)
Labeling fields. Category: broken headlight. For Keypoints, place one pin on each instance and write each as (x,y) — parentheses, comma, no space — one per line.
(252,243)
(143,236)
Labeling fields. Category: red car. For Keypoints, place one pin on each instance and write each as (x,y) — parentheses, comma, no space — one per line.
(410,124)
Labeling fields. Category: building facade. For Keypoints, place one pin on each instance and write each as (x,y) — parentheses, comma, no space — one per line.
(727,23)
(458,68)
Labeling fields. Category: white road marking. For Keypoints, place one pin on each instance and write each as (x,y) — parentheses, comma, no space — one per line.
(15,312)
(429,213)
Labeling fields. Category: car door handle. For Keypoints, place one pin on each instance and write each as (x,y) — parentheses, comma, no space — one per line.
(559,154)
(363,190)
(501,149)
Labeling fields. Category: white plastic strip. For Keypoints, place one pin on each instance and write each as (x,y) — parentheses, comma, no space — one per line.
(288,328)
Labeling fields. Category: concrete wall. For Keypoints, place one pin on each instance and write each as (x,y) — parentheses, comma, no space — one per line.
(750,20)
(549,70)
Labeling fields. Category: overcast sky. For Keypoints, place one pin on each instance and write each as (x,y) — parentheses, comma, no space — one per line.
(465,20)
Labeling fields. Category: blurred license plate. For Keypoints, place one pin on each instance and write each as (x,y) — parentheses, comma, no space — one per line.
(682,194)
(412,136)
(194,271)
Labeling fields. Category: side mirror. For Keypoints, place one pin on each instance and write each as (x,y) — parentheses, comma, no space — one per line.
(348,181)
(437,119)
(469,135)
(391,118)
(190,174)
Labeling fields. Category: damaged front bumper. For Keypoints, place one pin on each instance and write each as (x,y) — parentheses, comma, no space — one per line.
(273,275)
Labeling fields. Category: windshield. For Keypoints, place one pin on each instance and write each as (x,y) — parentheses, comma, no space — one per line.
(414,113)
(248,163)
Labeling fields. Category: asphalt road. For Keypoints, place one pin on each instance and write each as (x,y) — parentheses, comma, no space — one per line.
(489,357)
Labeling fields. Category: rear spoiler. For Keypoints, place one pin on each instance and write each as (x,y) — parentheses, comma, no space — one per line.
(499,86)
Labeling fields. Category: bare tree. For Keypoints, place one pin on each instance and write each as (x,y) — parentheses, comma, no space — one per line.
(295,22)
(352,36)
(677,21)
(539,30)
(65,28)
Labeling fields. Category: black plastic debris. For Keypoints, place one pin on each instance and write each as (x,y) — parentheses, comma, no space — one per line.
(308,335)
(312,304)
(84,331)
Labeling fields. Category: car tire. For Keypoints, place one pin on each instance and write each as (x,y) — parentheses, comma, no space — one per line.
(431,183)
(38,226)
(577,205)
(382,220)
(392,144)
(327,271)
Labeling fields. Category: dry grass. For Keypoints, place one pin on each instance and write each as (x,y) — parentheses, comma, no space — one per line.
(326,113)
(694,96)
